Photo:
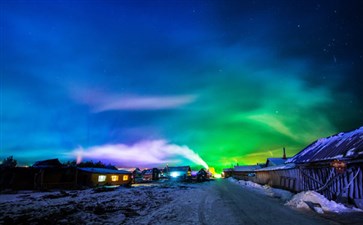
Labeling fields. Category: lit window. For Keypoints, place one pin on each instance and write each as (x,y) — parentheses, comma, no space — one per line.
(125,177)
(101,178)
(114,178)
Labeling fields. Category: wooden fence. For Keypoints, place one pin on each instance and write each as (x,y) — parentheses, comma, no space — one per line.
(330,183)
(322,179)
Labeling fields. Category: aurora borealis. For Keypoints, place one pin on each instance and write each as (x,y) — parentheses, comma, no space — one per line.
(231,81)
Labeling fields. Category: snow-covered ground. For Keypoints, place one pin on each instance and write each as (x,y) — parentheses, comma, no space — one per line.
(154,203)
(317,202)
(135,205)
(265,189)
(303,200)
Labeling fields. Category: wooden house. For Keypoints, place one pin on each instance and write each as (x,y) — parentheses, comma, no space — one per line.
(202,175)
(275,161)
(50,178)
(136,173)
(163,173)
(285,176)
(245,172)
(100,176)
(227,172)
(49,163)
(52,174)
(47,174)
(150,174)
(179,172)
(17,178)
(333,166)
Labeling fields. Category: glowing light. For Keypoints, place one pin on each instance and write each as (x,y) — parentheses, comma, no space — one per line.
(217,175)
(234,111)
(174,174)
(125,177)
(212,170)
(105,102)
(114,178)
(101,178)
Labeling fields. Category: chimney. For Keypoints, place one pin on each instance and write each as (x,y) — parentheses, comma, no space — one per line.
(284,155)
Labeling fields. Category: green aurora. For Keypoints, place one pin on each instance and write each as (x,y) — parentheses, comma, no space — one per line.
(234,81)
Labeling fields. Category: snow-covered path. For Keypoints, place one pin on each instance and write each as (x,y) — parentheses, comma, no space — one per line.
(228,203)
(164,203)
(225,202)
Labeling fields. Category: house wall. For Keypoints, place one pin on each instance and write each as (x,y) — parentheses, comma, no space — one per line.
(327,181)
(244,175)
(91,179)
(185,173)
(49,178)
(321,178)
(227,174)
(17,178)
(285,179)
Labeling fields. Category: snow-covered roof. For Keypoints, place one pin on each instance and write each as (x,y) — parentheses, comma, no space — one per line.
(278,167)
(246,168)
(103,171)
(275,161)
(129,169)
(340,146)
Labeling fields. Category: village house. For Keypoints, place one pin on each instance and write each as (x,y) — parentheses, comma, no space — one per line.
(333,166)
(179,172)
(276,161)
(245,172)
(136,173)
(227,172)
(51,174)
(49,163)
(150,174)
(17,178)
(284,176)
(94,177)
(45,174)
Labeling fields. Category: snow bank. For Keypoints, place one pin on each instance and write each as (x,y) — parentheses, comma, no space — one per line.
(317,202)
(265,189)
(305,200)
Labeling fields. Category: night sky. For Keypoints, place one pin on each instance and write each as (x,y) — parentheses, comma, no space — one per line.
(146,83)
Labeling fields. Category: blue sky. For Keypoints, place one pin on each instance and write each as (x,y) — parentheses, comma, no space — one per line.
(231,81)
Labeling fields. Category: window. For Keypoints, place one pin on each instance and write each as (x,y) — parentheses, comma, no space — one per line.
(114,178)
(125,177)
(101,178)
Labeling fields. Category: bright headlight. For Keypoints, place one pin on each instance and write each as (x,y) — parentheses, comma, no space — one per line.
(174,174)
